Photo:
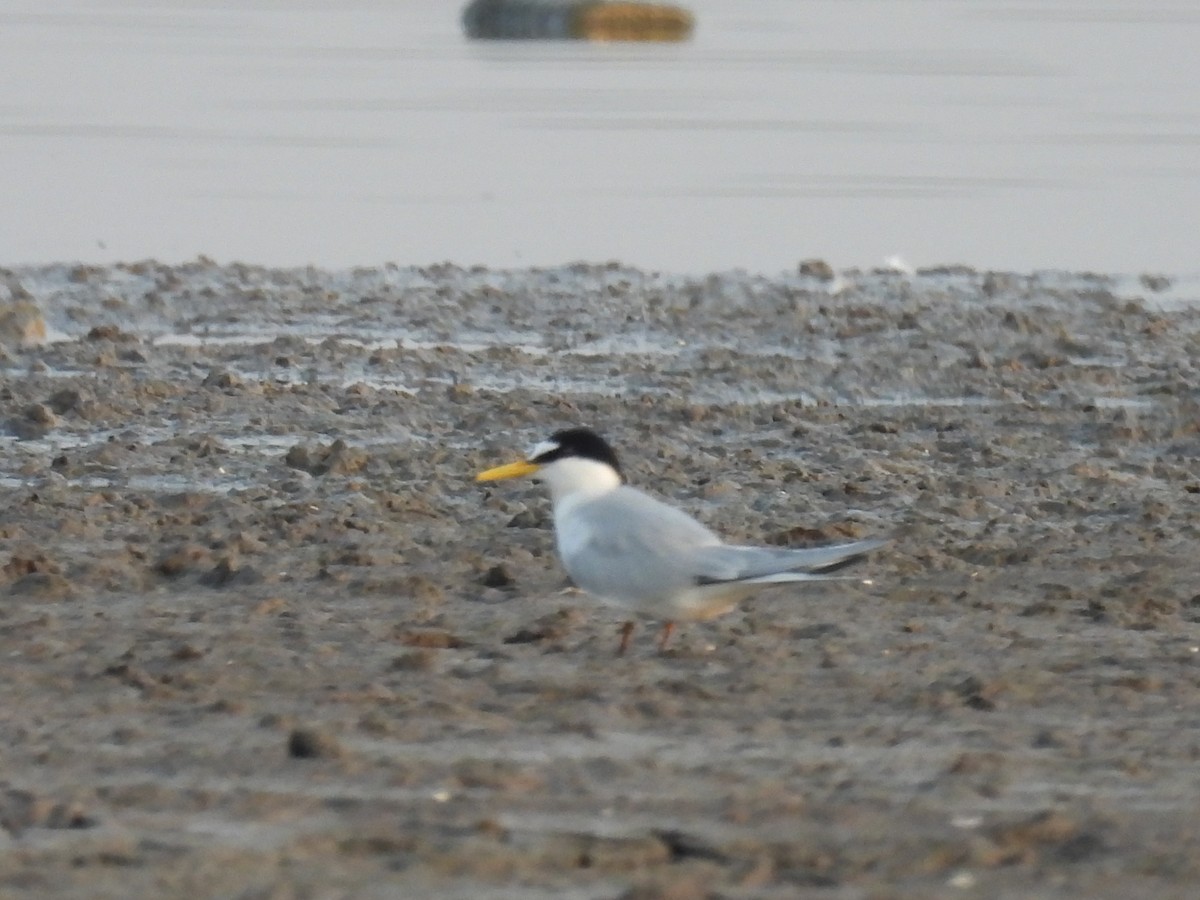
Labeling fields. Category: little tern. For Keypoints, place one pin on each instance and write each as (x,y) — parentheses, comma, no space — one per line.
(634,552)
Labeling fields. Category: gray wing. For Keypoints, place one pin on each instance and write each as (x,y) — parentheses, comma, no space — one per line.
(627,546)
(726,563)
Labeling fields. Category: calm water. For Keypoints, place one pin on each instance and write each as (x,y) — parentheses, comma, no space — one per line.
(1020,134)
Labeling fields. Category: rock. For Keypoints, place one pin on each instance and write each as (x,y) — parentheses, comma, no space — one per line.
(300,457)
(313,743)
(228,572)
(26,563)
(34,423)
(552,627)
(67,400)
(818,269)
(187,652)
(220,378)
(183,559)
(111,333)
(21,324)
(819,631)
(526,518)
(339,458)
(40,414)
(21,810)
(498,576)
(433,639)
(342,459)
(421,660)
(42,585)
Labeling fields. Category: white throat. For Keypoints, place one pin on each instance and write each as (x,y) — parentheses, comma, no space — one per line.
(574,478)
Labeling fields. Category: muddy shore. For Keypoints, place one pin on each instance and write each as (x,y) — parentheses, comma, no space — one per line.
(265,638)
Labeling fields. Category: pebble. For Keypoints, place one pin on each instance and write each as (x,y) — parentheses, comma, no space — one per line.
(313,743)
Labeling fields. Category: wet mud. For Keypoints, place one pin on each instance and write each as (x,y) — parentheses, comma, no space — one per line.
(264,637)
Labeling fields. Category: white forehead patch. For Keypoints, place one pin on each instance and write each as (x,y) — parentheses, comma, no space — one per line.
(543,447)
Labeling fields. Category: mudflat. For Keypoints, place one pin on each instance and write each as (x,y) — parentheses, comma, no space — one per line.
(263,636)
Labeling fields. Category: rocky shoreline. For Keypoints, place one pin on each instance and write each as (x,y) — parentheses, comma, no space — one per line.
(265,638)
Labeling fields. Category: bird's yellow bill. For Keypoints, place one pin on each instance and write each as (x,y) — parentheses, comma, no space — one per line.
(511,470)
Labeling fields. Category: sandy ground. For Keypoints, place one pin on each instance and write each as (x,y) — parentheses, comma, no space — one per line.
(263,637)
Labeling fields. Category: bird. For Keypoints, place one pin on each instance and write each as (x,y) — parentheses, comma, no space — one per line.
(633,551)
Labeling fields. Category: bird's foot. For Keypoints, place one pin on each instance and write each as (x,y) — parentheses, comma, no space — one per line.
(626,633)
(664,636)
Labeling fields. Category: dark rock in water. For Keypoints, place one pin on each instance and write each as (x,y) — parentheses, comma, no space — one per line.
(818,269)
(594,20)
(517,20)
(1155,282)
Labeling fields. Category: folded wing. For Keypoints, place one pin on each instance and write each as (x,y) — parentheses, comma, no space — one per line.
(725,563)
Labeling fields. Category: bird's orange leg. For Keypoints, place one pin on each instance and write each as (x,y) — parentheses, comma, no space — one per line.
(626,632)
(665,635)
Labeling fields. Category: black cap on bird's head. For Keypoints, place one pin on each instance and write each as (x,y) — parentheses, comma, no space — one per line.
(578,442)
(569,443)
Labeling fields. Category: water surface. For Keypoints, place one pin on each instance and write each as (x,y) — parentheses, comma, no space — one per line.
(1014,135)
